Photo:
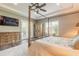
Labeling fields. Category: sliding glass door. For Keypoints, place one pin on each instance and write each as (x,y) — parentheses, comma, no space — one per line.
(52,27)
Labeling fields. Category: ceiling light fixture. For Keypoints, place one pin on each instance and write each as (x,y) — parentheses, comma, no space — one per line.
(57,4)
(15,3)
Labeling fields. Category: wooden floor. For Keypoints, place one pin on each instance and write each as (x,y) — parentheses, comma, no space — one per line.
(43,49)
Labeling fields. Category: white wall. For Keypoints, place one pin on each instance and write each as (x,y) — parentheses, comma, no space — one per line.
(9,28)
(14,28)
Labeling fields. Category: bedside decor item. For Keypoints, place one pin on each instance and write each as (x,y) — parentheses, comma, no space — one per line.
(8,21)
(77,25)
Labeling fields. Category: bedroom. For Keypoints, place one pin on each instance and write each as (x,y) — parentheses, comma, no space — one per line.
(55,28)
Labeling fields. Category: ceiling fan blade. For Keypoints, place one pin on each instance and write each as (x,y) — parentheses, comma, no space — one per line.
(43,10)
(42,5)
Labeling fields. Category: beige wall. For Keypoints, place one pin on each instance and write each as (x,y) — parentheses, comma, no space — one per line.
(66,22)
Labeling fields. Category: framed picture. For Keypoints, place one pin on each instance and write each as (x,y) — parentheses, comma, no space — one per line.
(8,21)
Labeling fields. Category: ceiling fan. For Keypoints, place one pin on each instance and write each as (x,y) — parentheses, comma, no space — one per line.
(38,7)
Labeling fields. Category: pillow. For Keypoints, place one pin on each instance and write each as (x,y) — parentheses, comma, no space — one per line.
(74,39)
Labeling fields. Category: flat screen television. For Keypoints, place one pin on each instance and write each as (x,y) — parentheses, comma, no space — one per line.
(8,21)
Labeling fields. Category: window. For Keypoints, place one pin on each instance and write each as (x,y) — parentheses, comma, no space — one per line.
(24,29)
(53,28)
(46,28)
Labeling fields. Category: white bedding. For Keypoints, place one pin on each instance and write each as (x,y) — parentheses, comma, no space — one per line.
(57,40)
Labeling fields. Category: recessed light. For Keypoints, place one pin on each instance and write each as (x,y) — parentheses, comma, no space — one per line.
(57,4)
(15,3)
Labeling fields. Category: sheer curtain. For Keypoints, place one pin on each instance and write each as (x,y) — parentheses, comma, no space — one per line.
(53,28)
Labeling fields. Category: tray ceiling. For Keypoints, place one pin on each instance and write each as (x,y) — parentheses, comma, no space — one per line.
(52,9)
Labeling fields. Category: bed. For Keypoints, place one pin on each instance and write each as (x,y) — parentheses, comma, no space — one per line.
(56,40)
(53,46)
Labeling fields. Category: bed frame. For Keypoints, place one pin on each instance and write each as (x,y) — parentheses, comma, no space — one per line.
(46,49)
(29,24)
